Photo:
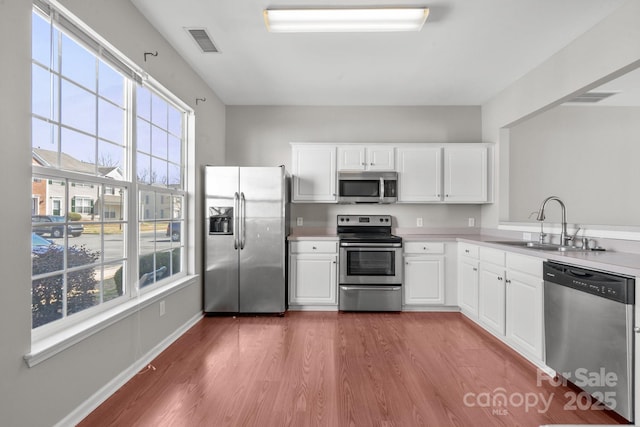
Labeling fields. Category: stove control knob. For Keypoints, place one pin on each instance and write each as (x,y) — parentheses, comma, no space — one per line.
(381,220)
(386,219)
(347,219)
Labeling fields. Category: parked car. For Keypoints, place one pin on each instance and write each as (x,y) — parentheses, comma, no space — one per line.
(39,244)
(54,226)
(173,230)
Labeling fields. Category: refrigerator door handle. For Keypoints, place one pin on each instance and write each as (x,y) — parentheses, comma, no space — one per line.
(236,199)
(243,213)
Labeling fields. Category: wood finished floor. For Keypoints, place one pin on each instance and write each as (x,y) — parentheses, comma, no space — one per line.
(338,369)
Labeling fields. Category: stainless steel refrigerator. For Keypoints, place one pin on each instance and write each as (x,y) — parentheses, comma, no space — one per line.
(247,223)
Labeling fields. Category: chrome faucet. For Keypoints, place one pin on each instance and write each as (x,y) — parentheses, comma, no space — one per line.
(564,238)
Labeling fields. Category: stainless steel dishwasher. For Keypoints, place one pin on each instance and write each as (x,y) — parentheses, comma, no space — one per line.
(588,323)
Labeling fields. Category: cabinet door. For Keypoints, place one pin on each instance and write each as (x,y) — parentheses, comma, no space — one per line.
(465,174)
(491,296)
(525,313)
(419,172)
(381,158)
(313,279)
(314,173)
(468,286)
(424,280)
(352,158)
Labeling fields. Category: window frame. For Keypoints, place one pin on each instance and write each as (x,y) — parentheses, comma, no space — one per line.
(134,78)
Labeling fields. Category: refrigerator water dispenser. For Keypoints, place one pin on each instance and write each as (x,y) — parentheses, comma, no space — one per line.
(221,220)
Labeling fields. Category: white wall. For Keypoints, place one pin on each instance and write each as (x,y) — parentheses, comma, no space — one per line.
(588,156)
(608,50)
(46,393)
(261,135)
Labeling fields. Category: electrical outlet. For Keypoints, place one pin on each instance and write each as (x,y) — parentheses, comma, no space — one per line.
(419,222)
(472,222)
(299,221)
(526,237)
(163,308)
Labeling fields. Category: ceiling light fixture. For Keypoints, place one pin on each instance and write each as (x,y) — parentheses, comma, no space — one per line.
(344,20)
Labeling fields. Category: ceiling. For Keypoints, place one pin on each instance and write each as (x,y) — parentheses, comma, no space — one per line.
(467,52)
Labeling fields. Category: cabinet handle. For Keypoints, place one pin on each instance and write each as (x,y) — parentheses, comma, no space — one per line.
(446,195)
(424,248)
(475,269)
(364,164)
(466,251)
(314,248)
(334,262)
(499,278)
(372,164)
(507,281)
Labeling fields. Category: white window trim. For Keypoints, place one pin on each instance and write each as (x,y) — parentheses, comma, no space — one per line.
(48,341)
(53,344)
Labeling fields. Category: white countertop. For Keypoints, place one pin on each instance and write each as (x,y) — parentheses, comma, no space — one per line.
(615,262)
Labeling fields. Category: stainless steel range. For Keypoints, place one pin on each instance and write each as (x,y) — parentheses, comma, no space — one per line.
(370,264)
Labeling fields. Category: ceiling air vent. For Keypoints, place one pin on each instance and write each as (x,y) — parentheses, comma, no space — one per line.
(591,97)
(204,41)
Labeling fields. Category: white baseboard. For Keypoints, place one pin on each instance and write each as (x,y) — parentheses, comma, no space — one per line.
(431,308)
(112,386)
(313,308)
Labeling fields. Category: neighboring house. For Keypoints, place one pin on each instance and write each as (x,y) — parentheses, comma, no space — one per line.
(86,199)
(48,195)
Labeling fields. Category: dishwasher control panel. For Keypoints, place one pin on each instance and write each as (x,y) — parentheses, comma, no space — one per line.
(606,285)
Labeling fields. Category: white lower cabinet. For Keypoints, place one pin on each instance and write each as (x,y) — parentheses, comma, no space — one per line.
(468,278)
(525,316)
(491,310)
(424,275)
(510,300)
(313,275)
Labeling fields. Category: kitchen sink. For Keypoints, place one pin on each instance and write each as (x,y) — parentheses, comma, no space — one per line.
(540,246)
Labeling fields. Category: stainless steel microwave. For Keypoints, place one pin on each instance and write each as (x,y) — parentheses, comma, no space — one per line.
(367,187)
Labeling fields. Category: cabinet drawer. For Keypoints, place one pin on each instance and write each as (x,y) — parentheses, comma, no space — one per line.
(465,249)
(320,247)
(494,256)
(423,248)
(524,264)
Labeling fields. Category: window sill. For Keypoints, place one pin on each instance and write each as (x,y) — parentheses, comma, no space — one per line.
(56,343)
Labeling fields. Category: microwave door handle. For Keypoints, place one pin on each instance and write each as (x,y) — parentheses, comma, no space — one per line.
(381,189)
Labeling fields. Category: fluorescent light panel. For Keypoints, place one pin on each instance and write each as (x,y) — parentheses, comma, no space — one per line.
(345,20)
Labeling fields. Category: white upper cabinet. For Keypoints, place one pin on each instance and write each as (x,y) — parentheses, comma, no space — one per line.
(419,173)
(314,173)
(427,172)
(354,157)
(465,174)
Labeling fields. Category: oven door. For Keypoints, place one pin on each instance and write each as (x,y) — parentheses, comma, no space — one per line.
(370,265)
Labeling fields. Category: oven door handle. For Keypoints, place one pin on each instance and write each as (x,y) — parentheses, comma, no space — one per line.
(370,245)
(370,288)
(381,189)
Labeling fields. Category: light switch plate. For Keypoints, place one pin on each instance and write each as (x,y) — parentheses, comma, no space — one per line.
(472,222)
(299,221)
(419,222)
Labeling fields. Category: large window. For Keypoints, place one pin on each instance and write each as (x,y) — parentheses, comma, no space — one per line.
(108,185)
